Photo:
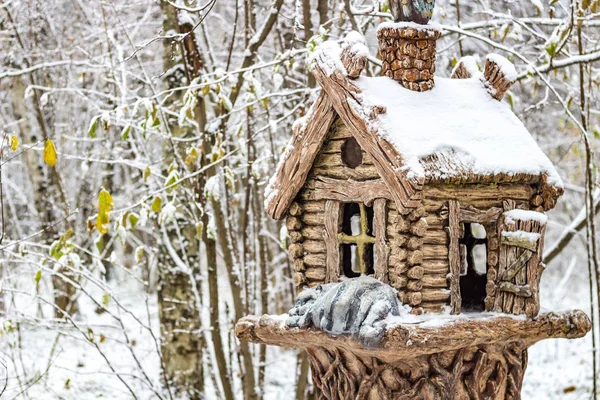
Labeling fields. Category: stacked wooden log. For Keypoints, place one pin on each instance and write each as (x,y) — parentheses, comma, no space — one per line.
(498,75)
(405,233)
(306,249)
(408,55)
(465,68)
(296,245)
(354,54)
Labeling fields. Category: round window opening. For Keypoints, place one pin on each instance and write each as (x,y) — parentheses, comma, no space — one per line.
(351,153)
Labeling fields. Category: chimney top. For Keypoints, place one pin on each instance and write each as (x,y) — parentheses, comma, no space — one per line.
(408,53)
(498,75)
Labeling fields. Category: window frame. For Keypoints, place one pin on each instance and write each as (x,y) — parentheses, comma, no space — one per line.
(333,249)
(362,240)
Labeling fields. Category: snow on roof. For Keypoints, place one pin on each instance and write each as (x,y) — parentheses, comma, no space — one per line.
(470,64)
(507,68)
(331,63)
(457,123)
(430,26)
(356,42)
(525,215)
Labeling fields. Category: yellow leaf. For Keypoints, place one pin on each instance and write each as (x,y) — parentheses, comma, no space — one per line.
(105,299)
(14,143)
(50,153)
(156,204)
(105,205)
(38,276)
(147,173)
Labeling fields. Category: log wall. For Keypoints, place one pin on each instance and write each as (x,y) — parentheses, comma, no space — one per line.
(306,218)
(471,198)
(417,241)
(405,272)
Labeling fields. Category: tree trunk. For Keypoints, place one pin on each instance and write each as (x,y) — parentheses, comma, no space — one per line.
(178,294)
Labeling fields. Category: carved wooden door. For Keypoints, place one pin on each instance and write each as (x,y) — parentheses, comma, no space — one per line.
(516,288)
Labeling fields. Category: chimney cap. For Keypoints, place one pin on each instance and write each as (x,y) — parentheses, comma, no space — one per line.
(430,30)
(408,53)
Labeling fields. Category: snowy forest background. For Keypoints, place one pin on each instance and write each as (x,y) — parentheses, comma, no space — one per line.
(124,266)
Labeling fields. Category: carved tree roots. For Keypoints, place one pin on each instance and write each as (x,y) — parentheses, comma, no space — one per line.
(480,372)
(470,357)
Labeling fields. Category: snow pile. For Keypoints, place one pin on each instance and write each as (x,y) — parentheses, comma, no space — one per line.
(506,67)
(457,116)
(525,215)
(430,26)
(470,64)
(529,236)
(357,306)
(328,58)
(356,43)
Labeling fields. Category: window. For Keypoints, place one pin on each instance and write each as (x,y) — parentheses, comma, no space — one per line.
(352,155)
(356,240)
(473,254)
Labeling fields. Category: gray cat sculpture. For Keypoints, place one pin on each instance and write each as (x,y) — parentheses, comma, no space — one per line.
(357,306)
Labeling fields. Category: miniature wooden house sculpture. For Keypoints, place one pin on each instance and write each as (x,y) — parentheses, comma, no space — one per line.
(415,212)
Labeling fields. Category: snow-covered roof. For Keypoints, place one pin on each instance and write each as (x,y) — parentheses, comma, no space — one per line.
(456,133)
(455,130)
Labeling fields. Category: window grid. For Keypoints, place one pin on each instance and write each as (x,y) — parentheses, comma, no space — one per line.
(362,240)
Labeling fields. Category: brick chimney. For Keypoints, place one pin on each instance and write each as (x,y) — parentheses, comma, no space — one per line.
(408,53)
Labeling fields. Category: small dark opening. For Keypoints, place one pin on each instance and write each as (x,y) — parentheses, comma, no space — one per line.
(351,153)
(474,271)
(357,237)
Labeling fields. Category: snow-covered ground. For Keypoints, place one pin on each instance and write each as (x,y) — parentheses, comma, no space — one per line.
(61,363)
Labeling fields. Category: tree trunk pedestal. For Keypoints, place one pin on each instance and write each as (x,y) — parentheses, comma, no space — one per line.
(483,356)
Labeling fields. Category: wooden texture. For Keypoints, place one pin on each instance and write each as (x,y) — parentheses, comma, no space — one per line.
(296,246)
(519,267)
(348,191)
(454,255)
(305,145)
(408,56)
(332,165)
(495,80)
(460,332)
(381,244)
(468,358)
(332,226)
(454,167)
(481,372)
(472,214)
(468,192)
(353,61)
(461,71)
(404,191)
